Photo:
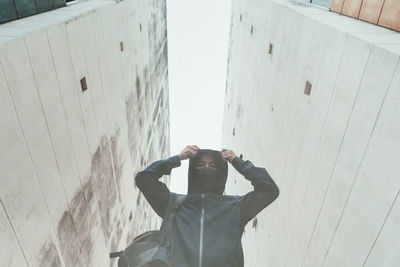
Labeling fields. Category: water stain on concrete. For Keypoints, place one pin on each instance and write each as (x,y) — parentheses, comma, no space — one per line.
(239,111)
(69,244)
(149,131)
(254,225)
(118,160)
(95,206)
(133,128)
(158,104)
(137,85)
(138,198)
(49,256)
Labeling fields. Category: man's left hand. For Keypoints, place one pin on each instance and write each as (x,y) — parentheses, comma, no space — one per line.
(228,155)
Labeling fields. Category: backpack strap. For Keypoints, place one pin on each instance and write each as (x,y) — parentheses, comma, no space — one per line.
(167,224)
(120,254)
(116,254)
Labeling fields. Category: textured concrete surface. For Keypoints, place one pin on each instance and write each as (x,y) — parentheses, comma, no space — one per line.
(333,153)
(68,157)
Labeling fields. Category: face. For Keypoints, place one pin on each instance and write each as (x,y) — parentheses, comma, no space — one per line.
(206,161)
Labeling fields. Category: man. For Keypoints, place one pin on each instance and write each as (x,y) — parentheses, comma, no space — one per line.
(208,226)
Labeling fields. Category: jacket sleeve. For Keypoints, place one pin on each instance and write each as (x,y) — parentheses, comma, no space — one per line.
(264,193)
(156,192)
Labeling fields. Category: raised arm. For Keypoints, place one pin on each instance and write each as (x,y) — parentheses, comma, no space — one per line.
(155,191)
(264,193)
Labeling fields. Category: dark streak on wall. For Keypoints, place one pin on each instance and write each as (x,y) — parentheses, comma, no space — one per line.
(70,249)
(239,111)
(95,207)
(49,255)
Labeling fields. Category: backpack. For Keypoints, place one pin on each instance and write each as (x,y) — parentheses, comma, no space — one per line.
(144,247)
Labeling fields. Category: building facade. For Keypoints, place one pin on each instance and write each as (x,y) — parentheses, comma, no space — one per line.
(84,104)
(314,97)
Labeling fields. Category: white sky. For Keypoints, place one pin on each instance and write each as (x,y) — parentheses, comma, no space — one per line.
(198,32)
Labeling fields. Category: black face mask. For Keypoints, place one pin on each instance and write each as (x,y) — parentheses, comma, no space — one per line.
(205,179)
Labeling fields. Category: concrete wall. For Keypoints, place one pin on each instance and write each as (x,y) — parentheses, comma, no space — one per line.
(335,152)
(68,157)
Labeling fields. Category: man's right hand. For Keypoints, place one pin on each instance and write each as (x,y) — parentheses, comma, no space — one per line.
(188,152)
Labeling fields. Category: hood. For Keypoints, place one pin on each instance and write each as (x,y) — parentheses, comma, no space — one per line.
(215,185)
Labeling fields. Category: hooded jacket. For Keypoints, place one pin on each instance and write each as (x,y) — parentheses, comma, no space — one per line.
(209,225)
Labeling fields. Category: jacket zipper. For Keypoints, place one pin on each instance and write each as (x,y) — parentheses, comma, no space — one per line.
(201,232)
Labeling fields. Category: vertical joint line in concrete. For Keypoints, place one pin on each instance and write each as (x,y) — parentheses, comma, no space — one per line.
(47,125)
(105,113)
(33,167)
(323,201)
(380,230)
(362,159)
(82,45)
(15,233)
(79,99)
(70,137)
(63,104)
(26,148)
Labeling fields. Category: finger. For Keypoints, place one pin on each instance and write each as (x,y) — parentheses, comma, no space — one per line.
(225,153)
(191,150)
(193,147)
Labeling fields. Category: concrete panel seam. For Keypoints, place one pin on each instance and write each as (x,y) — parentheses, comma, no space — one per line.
(47,125)
(363,156)
(35,173)
(314,160)
(326,115)
(79,98)
(52,146)
(380,230)
(104,105)
(70,138)
(14,232)
(62,101)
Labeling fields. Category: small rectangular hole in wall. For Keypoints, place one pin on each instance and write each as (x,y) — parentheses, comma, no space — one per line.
(83,84)
(252,28)
(140,26)
(271,47)
(240,17)
(121,45)
(307,89)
